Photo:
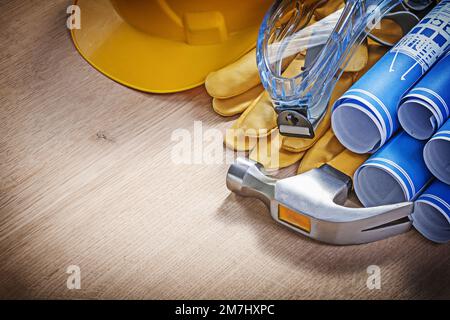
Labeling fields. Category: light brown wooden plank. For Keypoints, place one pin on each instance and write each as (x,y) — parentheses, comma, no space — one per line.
(86,179)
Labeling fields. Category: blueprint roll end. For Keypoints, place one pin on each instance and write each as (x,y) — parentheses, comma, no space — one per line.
(396,173)
(431,216)
(437,158)
(431,222)
(355,128)
(417,119)
(375,186)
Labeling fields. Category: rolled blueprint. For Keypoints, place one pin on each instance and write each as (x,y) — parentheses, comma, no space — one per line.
(396,173)
(365,117)
(431,215)
(425,108)
(437,153)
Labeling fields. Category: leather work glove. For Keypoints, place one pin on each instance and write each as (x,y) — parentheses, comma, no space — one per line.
(237,89)
(328,150)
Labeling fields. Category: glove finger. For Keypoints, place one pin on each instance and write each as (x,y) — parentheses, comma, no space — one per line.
(236,105)
(259,115)
(260,118)
(359,59)
(348,162)
(269,153)
(257,121)
(235,78)
(322,152)
(298,144)
(388,31)
(237,140)
(376,51)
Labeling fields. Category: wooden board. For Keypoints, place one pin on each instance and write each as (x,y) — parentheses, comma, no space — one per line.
(86,179)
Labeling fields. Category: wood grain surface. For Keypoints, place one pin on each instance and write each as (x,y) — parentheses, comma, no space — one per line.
(86,179)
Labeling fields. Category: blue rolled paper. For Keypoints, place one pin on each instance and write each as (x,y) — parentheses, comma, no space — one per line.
(425,108)
(396,173)
(365,117)
(437,153)
(431,215)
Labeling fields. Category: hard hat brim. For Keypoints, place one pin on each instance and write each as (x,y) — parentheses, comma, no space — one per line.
(147,63)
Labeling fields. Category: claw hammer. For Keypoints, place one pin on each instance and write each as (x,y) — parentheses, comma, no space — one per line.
(312,204)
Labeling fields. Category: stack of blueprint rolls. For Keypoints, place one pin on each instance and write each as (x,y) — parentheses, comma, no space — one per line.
(399,111)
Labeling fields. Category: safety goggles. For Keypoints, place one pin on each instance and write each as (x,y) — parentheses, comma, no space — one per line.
(289,32)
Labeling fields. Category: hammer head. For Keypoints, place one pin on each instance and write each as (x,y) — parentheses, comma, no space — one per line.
(312,204)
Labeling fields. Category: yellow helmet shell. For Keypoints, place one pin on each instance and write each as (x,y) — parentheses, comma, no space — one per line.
(165,46)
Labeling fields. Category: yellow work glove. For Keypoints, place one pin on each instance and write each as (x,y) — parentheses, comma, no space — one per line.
(259,120)
(237,88)
(328,150)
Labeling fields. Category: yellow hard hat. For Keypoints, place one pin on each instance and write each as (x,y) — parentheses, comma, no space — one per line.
(165,45)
